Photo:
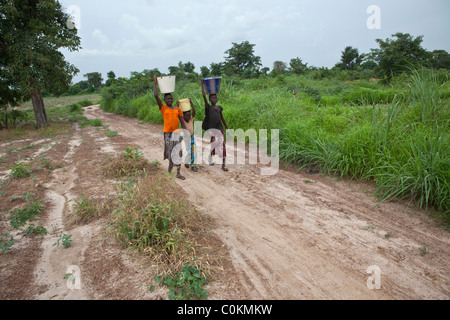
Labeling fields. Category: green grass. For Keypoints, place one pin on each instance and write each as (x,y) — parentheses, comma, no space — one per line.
(29,131)
(62,102)
(91,122)
(396,136)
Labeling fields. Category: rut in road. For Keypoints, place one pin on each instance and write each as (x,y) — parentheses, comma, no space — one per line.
(298,236)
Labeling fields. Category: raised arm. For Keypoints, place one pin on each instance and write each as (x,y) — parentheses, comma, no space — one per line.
(183,126)
(203,92)
(155,92)
(193,108)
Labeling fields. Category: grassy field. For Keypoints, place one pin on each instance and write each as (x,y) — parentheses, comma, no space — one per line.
(57,102)
(396,136)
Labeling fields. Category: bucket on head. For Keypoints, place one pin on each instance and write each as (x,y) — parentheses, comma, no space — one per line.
(185,105)
(166,84)
(213,85)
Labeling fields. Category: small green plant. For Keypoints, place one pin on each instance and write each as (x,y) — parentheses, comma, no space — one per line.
(65,240)
(111,134)
(369,228)
(20,170)
(423,250)
(388,235)
(18,217)
(69,276)
(186,285)
(45,162)
(35,229)
(6,244)
(132,153)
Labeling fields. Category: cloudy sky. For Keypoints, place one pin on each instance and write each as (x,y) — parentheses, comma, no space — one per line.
(133,35)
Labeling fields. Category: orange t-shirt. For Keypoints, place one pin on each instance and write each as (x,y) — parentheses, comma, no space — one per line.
(171,120)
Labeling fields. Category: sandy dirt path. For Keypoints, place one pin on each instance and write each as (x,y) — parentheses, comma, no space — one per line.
(301,236)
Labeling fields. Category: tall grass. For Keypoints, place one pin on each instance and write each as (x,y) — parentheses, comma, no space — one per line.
(397,136)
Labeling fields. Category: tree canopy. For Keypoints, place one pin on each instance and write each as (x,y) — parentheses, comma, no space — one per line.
(240,58)
(400,54)
(350,59)
(31,34)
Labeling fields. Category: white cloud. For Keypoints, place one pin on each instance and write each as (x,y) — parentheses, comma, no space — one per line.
(142,34)
(99,36)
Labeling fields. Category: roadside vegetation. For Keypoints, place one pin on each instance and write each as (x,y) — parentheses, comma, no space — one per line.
(396,136)
(149,215)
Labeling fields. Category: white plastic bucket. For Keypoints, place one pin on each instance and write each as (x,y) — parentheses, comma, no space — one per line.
(213,85)
(166,84)
(185,105)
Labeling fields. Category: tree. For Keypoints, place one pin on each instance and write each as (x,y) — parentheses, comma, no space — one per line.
(173,70)
(350,59)
(265,70)
(94,79)
(32,32)
(241,57)
(217,68)
(204,71)
(399,55)
(279,66)
(440,59)
(111,77)
(297,66)
(189,67)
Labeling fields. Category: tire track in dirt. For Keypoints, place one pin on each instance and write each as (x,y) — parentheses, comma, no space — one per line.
(55,260)
(297,236)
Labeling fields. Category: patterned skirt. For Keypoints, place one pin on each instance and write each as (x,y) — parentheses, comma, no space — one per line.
(171,141)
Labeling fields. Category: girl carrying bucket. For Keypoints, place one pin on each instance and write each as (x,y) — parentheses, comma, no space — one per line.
(215,120)
(191,152)
(172,138)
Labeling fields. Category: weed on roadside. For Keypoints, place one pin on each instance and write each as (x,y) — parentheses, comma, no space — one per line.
(131,163)
(91,122)
(423,250)
(5,243)
(65,240)
(20,170)
(186,285)
(152,218)
(86,208)
(39,229)
(111,134)
(19,217)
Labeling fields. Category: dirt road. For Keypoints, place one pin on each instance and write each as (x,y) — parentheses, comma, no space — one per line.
(291,235)
(301,236)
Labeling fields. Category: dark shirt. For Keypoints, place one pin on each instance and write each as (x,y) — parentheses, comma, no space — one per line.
(214,118)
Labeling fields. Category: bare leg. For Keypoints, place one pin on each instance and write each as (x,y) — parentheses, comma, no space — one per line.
(179,176)
(224,167)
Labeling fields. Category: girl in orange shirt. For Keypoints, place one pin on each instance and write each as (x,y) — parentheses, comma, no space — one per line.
(172,116)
